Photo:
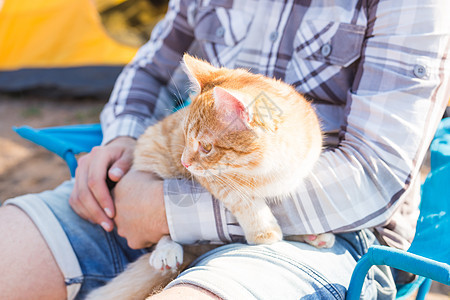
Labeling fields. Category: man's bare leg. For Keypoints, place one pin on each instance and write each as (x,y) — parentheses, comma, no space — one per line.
(28,269)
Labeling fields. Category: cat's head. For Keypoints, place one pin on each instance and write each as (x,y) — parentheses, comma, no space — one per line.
(225,130)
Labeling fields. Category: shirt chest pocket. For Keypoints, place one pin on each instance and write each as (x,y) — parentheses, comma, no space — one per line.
(221,26)
(328,42)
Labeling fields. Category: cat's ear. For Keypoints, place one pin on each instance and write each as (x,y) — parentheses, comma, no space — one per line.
(231,109)
(198,71)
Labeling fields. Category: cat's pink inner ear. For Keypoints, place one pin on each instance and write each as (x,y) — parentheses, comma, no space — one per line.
(230,109)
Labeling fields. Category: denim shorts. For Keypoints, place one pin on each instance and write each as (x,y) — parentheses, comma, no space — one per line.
(89,257)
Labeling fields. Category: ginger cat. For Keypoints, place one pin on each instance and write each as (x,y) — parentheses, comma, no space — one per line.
(246,138)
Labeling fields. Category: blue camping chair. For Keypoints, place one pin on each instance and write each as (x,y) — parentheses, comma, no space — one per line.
(428,256)
(65,141)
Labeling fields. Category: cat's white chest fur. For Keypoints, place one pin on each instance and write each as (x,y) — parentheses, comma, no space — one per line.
(168,255)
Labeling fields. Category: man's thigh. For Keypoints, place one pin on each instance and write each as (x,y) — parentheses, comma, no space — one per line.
(287,270)
(28,269)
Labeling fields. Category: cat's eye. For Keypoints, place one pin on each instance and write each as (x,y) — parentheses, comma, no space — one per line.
(206,147)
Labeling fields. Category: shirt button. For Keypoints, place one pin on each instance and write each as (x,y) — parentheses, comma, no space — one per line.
(220,32)
(420,71)
(273,36)
(326,50)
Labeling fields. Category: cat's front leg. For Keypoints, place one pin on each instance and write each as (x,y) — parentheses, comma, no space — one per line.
(256,219)
(168,255)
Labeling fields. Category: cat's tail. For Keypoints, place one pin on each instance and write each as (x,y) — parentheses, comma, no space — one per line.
(138,281)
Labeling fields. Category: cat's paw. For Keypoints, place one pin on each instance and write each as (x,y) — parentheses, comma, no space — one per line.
(324,240)
(167,255)
(269,236)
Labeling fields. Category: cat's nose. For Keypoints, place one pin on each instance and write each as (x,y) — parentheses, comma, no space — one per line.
(186,165)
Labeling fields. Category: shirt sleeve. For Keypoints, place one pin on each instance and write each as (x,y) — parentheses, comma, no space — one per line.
(397,99)
(393,109)
(134,104)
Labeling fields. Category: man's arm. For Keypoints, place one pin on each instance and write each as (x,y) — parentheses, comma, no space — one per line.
(396,102)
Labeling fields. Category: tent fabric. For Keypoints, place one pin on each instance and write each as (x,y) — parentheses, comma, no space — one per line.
(78,82)
(43,40)
(56,33)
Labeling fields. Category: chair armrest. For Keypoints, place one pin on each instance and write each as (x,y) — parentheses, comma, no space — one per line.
(399,259)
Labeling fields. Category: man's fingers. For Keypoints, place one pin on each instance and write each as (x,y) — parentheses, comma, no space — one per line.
(99,190)
(96,182)
(83,200)
(87,202)
(115,173)
(92,198)
(74,200)
(121,166)
(78,206)
(95,213)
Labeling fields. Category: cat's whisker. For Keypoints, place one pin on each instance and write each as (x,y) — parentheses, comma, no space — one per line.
(178,94)
(179,145)
(236,187)
(252,185)
(192,179)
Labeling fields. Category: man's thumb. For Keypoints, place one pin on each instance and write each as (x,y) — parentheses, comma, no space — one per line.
(118,169)
(115,173)
(121,166)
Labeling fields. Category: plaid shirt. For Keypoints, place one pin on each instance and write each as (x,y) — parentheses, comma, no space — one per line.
(378,75)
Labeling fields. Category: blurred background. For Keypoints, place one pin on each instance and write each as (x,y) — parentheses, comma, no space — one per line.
(58,63)
(71,48)
(59,60)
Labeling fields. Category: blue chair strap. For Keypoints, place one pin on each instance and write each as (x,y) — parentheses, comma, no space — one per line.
(65,141)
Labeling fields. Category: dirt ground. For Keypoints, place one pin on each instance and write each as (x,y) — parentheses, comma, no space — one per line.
(27,168)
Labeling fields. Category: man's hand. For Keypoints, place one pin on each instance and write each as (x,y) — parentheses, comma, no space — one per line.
(140,211)
(91,198)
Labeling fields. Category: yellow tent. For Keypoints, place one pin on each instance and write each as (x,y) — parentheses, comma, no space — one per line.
(58,46)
